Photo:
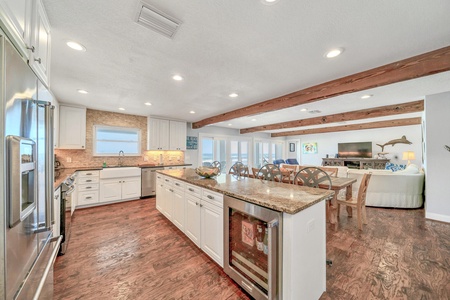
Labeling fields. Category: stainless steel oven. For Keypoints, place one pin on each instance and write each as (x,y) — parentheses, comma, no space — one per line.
(253,253)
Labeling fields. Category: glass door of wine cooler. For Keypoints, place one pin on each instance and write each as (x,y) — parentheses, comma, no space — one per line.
(252,252)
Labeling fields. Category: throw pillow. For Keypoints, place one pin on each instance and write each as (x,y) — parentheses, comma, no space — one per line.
(395,167)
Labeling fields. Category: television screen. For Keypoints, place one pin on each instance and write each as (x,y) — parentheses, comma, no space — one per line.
(360,150)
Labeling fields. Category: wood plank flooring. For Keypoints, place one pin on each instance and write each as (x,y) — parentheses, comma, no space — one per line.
(130,251)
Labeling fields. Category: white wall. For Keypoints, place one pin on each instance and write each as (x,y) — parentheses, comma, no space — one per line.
(327,143)
(437,158)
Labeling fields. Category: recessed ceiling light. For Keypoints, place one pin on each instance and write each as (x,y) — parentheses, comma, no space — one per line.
(192,112)
(334,52)
(177,77)
(303,109)
(82,91)
(253,120)
(366,96)
(76,46)
(269,2)
(233,95)
(147,103)
(121,108)
(230,124)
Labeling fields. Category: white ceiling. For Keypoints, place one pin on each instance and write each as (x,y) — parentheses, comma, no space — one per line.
(224,46)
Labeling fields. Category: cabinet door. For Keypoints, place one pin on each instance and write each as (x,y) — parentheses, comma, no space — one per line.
(40,40)
(177,135)
(192,219)
(167,202)
(152,134)
(178,202)
(110,190)
(164,133)
(131,187)
(212,231)
(72,129)
(17,16)
(159,192)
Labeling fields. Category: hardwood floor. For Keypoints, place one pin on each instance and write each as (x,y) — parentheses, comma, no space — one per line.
(130,251)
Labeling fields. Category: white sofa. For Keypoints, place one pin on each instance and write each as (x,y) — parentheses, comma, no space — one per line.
(402,189)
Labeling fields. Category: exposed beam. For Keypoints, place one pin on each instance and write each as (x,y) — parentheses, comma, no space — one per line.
(382,111)
(372,125)
(418,66)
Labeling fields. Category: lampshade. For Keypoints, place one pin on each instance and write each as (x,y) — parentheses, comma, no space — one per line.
(409,155)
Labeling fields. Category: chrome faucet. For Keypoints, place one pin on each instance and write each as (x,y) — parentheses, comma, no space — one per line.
(121,157)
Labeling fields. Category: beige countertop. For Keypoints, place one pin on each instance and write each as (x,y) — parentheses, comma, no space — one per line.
(278,196)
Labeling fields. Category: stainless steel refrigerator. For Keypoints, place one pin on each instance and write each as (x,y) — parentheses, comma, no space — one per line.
(27,246)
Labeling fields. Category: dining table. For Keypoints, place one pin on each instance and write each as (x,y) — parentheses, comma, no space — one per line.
(338,184)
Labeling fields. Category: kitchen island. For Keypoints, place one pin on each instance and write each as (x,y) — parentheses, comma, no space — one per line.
(303,230)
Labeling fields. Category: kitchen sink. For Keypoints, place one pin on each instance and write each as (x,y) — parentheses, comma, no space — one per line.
(115,172)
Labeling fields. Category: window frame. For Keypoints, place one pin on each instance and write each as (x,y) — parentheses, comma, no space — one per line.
(118,129)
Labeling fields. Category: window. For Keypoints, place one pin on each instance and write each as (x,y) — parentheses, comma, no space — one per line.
(239,151)
(109,141)
(267,151)
(213,149)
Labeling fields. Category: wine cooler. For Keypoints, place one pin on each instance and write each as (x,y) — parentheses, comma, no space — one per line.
(252,255)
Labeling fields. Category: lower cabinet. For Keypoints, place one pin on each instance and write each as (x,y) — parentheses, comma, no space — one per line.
(116,189)
(87,188)
(212,231)
(192,220)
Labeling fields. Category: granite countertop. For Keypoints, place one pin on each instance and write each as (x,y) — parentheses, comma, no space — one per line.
(278,196)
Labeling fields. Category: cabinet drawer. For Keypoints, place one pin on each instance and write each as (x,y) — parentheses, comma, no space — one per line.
(193,190)
(212,197)
(179,185)
(88,173)
(88,187)
(83,180)
(87,197)
(167,180)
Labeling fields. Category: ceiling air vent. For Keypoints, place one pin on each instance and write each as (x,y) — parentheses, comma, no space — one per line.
(315,111)
(156,20)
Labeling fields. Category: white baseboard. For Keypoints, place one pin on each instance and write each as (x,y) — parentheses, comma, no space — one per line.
(437,217)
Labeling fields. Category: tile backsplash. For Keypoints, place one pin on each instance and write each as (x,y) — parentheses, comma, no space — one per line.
(70,158)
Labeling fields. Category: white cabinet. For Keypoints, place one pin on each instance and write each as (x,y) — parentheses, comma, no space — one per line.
(178,133)
(87,188)
(17,15)
(117,189)
(212,225)
(192,219)
(159,192)
(178,204)
(72,127)
(40,55)
(158,134)
(27,25)
(165,134)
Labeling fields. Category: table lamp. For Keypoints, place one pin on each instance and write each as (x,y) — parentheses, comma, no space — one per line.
(409,155)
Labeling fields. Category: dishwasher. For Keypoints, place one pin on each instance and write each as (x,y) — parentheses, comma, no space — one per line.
(148,181)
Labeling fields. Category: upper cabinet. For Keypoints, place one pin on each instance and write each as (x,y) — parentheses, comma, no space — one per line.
(26,24)
(178,133)
(165,134)
(72,127)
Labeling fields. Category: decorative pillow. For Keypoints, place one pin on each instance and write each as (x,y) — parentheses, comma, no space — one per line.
(394,167)
(411,169)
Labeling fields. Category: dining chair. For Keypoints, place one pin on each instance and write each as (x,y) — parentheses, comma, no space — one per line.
(359,203)
(333,172)
(313,177)
(217,164)
(270,172)
(278,162)
(239,169)
(288,172)
(255,173)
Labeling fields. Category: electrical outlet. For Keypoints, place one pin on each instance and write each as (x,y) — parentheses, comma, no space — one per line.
(145,158)
(69,159)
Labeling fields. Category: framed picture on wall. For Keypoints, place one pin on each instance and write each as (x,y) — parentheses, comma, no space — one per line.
(291,147)
(309,148)
(191,142)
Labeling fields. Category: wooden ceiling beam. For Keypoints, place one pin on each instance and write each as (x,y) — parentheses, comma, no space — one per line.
(372,125)
(414,67)
(382,111)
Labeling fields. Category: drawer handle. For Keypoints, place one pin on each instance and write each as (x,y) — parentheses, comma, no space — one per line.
(201,205)
(196,203)
(88,173)
(167,180)
(177,184)
(171,190)
(89,187)
(191,190)
(210,197)
(89,180)
(88,197)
